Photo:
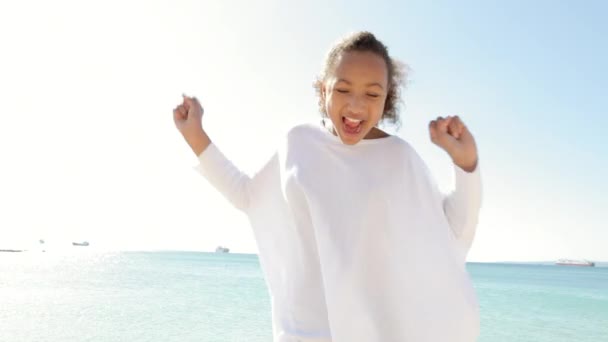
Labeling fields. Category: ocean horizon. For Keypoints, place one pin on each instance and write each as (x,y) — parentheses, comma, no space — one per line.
(206,296)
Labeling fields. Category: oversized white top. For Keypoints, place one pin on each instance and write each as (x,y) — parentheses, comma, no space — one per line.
(356,242)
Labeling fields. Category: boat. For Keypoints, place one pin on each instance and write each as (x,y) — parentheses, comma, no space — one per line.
(221,249)
(82,244)
(570,262)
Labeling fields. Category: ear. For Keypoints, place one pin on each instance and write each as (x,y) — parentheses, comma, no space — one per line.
(323,91)
(322,96)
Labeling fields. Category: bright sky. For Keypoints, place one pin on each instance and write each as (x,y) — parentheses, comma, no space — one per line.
(89,151)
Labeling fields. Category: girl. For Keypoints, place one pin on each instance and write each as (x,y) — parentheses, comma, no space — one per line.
(354,238)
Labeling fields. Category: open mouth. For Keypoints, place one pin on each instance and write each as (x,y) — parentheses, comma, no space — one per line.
(351,126)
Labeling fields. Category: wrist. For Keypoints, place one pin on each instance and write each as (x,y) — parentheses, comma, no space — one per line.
(198,142)
(468,166)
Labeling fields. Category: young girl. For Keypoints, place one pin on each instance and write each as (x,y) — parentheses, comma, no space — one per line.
(354,238)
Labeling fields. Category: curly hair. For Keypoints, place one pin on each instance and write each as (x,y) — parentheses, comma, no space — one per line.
(366,42)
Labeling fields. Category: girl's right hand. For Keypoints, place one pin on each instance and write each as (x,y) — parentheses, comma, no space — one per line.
(188,118)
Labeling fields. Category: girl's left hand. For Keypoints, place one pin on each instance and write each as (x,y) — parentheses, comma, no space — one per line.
(452,135)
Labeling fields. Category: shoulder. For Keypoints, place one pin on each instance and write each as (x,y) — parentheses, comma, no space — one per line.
(306,129)
(299,137)
(402,146)
(407,153)
(305,134)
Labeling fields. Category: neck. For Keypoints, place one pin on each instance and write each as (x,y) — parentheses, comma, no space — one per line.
(376,133)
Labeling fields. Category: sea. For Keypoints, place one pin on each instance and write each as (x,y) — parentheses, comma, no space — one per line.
(195,296)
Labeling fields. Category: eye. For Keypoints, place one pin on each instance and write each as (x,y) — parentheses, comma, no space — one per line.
(373,95)
(342,91)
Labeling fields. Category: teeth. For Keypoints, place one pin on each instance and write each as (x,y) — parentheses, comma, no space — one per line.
(352,120)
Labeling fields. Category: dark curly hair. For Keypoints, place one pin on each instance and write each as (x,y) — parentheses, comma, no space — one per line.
(363,42)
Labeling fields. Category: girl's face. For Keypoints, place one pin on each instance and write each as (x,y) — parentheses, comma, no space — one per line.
(355,93)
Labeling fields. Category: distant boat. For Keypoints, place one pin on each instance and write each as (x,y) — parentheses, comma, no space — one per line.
(83,243)
(221,249)
(569,262)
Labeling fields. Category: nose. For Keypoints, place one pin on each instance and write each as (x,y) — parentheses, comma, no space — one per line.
(356,104)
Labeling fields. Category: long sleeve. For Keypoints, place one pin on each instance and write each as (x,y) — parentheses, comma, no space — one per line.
(462,206)
(236,186)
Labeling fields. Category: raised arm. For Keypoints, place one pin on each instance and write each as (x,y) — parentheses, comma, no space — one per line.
(239,188)
(235,185)
(462,206)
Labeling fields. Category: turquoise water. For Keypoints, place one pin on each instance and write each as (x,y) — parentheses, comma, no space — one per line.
(183,296)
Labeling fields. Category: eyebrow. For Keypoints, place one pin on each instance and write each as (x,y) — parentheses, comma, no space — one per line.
(367,85)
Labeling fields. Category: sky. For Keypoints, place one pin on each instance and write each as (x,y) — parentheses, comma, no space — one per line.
(89,151)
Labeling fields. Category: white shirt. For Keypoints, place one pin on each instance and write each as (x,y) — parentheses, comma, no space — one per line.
(356,242)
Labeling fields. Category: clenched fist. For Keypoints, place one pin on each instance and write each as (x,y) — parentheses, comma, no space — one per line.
(188,118)
(453,136)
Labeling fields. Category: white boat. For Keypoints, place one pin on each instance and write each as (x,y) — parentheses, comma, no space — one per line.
(221,249)
(82,244)
(570,262)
